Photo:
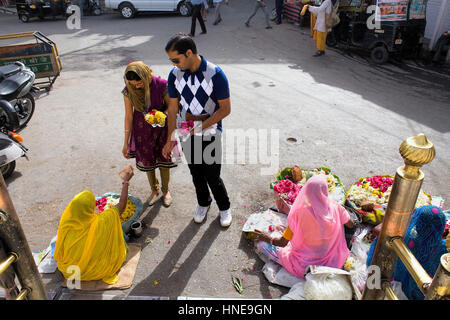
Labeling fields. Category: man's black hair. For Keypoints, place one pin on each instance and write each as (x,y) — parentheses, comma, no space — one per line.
(181,43)
(131,75)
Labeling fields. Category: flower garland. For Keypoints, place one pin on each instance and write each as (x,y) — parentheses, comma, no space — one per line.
(156,118)
(377,190)
(107,202)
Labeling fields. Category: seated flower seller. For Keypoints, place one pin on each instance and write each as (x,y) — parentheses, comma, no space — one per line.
(92,241)
(425,238)
(315,232)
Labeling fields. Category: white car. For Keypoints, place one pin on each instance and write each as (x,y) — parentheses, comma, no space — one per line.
(129,8)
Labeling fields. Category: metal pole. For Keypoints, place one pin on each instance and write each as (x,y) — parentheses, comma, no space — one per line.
(416,151)
(414,267)
(14,240)
(7,274)
(390,294)
(439,288)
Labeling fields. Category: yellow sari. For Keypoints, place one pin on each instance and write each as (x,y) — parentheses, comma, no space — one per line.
(92,241)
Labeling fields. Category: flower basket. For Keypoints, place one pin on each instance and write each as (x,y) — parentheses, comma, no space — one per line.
(285,181)
(126,226)
(281,204)
(376,190)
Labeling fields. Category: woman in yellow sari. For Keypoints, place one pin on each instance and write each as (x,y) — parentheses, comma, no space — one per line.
(92,241)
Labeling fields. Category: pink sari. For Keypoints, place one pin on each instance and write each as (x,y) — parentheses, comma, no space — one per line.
(316,222)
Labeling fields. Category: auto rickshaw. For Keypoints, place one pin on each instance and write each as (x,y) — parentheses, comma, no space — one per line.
(381,27)
(27,9)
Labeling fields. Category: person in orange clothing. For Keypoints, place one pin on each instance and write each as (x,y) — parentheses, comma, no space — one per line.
(312,22)
(320,29)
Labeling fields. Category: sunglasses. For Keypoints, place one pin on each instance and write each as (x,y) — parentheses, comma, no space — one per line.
(177,60)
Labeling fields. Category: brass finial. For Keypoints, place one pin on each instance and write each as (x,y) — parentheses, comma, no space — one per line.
(416,151)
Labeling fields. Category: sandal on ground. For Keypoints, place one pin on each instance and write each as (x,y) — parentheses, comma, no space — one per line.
(167,201)
(154,199)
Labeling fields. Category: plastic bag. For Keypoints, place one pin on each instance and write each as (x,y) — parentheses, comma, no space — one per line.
(358,273)
(397,287)
(44,259)
(276,274)
(361,244)
(297,292)
(324,283)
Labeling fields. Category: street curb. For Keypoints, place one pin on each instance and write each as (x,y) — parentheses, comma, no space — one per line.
(69,294)
(11,11)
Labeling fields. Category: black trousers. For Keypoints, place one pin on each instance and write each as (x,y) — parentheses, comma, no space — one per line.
(197,14)
(204,156)
(279,10)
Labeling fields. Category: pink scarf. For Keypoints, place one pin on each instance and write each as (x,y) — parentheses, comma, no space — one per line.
(316,222)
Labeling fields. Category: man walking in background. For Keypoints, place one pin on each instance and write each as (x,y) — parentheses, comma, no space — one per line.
(259,4)
(217,16)
(279,9)
(197,15)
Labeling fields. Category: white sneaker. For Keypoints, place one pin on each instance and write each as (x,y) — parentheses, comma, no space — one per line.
(200,214)
(225,218)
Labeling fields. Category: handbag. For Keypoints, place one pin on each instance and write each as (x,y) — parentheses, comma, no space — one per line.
(332,19)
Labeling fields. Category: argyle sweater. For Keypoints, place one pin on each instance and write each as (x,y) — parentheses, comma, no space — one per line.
(199,91)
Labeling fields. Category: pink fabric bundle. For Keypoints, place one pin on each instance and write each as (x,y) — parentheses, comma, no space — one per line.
(316,222)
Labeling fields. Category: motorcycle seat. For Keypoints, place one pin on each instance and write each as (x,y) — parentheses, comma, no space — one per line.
(11,86)
(8,70)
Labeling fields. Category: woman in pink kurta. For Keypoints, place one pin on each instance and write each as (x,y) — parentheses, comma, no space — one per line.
(316,228)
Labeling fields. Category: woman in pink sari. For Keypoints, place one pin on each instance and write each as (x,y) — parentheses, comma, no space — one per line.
(315,232)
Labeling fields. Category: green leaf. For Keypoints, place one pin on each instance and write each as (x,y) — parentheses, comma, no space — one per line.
(237,284)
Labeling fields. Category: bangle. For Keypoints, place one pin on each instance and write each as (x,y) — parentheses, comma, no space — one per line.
(271,241)
(125,182)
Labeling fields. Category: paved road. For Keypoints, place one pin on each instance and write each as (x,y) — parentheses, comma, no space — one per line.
(344,113)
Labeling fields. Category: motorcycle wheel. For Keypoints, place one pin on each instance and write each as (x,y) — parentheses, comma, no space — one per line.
(25,112)
(9,120)
(331,39)
(8,169)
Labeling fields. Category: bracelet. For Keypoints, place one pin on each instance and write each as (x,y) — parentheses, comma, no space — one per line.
(125,182)
(271,241)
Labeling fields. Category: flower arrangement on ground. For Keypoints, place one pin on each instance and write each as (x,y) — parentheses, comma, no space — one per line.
(370,195)
(289,181)
(104,203)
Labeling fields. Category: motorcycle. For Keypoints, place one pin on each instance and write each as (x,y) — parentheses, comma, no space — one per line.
(91,7)
(16,85)
(11,147)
